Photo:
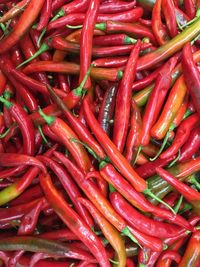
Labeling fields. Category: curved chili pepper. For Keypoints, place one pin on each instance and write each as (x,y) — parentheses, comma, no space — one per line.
(65,134)
(77,126)
(107,109)
(169,255)
(136,30)
(35,244)
(139,221)
(73,221)
(189,193)
(113,39)
(45,15)
(112,62)
(15,11)
(111,150)
(16,57)
(25,22)
(123,104)
(25,125)
(134,136)
(191,146)
(115,7)
(109,232)
(170,48)
(158,29)
(190,9)
(191,76)
(108,172)
(70,187)
(172,105)
(149,169)
(73,68)
(101,203)
(156,99)
(181,136)
(86,40)
(170,17)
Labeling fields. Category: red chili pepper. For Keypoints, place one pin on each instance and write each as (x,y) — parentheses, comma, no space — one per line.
(170,255)
(123,104)
(25,124)
(108,230)
(158,28)
(25,22)
(69,185)
(139,221)
(191,76)
(73,68)
(108,172)
(191,146)
(115,7)
(45,15)
(182,135)
(77,126)
(190,9)
(65,134)
(112,62)
(73,221)
(192,253)
(134,136)
(113,39)
(86,40)
(189,193)
(156,99)
(170,17)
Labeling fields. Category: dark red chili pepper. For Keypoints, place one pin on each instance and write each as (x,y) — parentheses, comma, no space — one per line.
(58,3)
(16,57)
(191,76)
(76,6)
(65,134)
(107,109)
(123,104)
(25,125)
(73,221)
(156,99)
(170,17)
(113,39)
(45,15)
(169,255)
(139,221)
(69,185)
(62,234)
(25,22)
(158,28)
(182,135)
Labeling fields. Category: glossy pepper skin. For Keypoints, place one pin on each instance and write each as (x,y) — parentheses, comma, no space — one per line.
(191,256)
(191,76)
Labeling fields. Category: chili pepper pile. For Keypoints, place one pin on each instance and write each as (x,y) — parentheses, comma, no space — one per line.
(99,133)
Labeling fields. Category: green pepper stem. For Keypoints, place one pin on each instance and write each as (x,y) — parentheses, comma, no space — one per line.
(149,193)
(44,47)
(127,232)
(49,119)
(175,160)
(137,155)
(43,136)
(74,26)
(100,26)
(177,207)
(7,103)
(162,147)
(111,188)
(129,40)
(5,133)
